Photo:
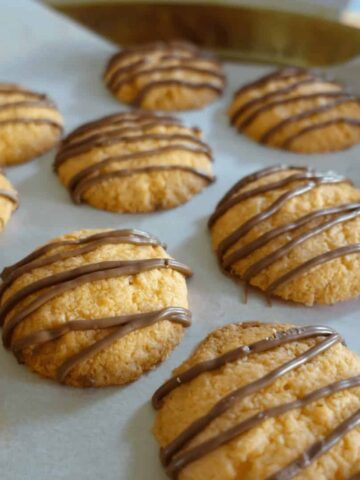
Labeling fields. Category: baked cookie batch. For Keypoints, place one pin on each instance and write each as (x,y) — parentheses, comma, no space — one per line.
(93,308)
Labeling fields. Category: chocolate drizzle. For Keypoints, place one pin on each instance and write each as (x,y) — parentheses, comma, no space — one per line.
(10,195)
(176,455)
(327,105)
(55,285)
(121,131)
(326,219)
(159,65)
(28,100)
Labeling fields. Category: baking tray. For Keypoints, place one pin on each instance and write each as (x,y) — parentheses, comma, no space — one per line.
(54,432)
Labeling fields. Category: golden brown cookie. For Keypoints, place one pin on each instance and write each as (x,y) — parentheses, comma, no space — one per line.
(165,76)
(134,162)
(298,110)
(94,308)
(262,402)
(30,124)
(293,233)
(8,200)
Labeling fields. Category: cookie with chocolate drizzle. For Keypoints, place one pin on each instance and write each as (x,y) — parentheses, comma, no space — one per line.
(262,401)
(9,201)
(134,162)
(94,308)
(165,76)
(30,124)
(298,110)
(293,233)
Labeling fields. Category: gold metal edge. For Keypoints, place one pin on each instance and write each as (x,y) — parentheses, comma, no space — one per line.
(235,33)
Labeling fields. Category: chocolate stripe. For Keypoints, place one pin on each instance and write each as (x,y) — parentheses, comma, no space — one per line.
(43,336)
(120,119)
(134,69)
(125,323)
(91,243)
(229,241)
(341,120)
(227,204)
(119,83)
(277,232)
(192,454)
(284,73)
(86,182)
(270,95)
(318,449)
(268,260)
(241,393)
(57,284)
(140,321)
(29,121)
(170,47)
(314,96)
(312,263)
(107,140)
(10,195)
(281,338)
(266,137)
(108,130)
(140,97)
(253,177)
(133,236)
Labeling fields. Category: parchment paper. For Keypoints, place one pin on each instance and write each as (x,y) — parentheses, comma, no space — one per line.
(49,432)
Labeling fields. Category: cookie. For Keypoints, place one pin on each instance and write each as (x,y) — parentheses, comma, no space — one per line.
(95,307)
(293,233)
(8,200)
(262,402)
(165,76)
(134,162)
(298,110)
(30,124)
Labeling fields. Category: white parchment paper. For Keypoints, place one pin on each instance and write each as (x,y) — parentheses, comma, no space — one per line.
(49,432)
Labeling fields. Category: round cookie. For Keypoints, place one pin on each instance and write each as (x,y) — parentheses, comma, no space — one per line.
(8,200)
(298,110)
(293,233)
(30,124)
(165,76)
(95,307)
(262,402)
(134,162)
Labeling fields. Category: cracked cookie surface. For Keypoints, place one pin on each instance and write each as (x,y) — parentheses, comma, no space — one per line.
(292,232)
(298,110)
(262,402)
(134,162)
(30,124)
(95,308)
(165,76)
